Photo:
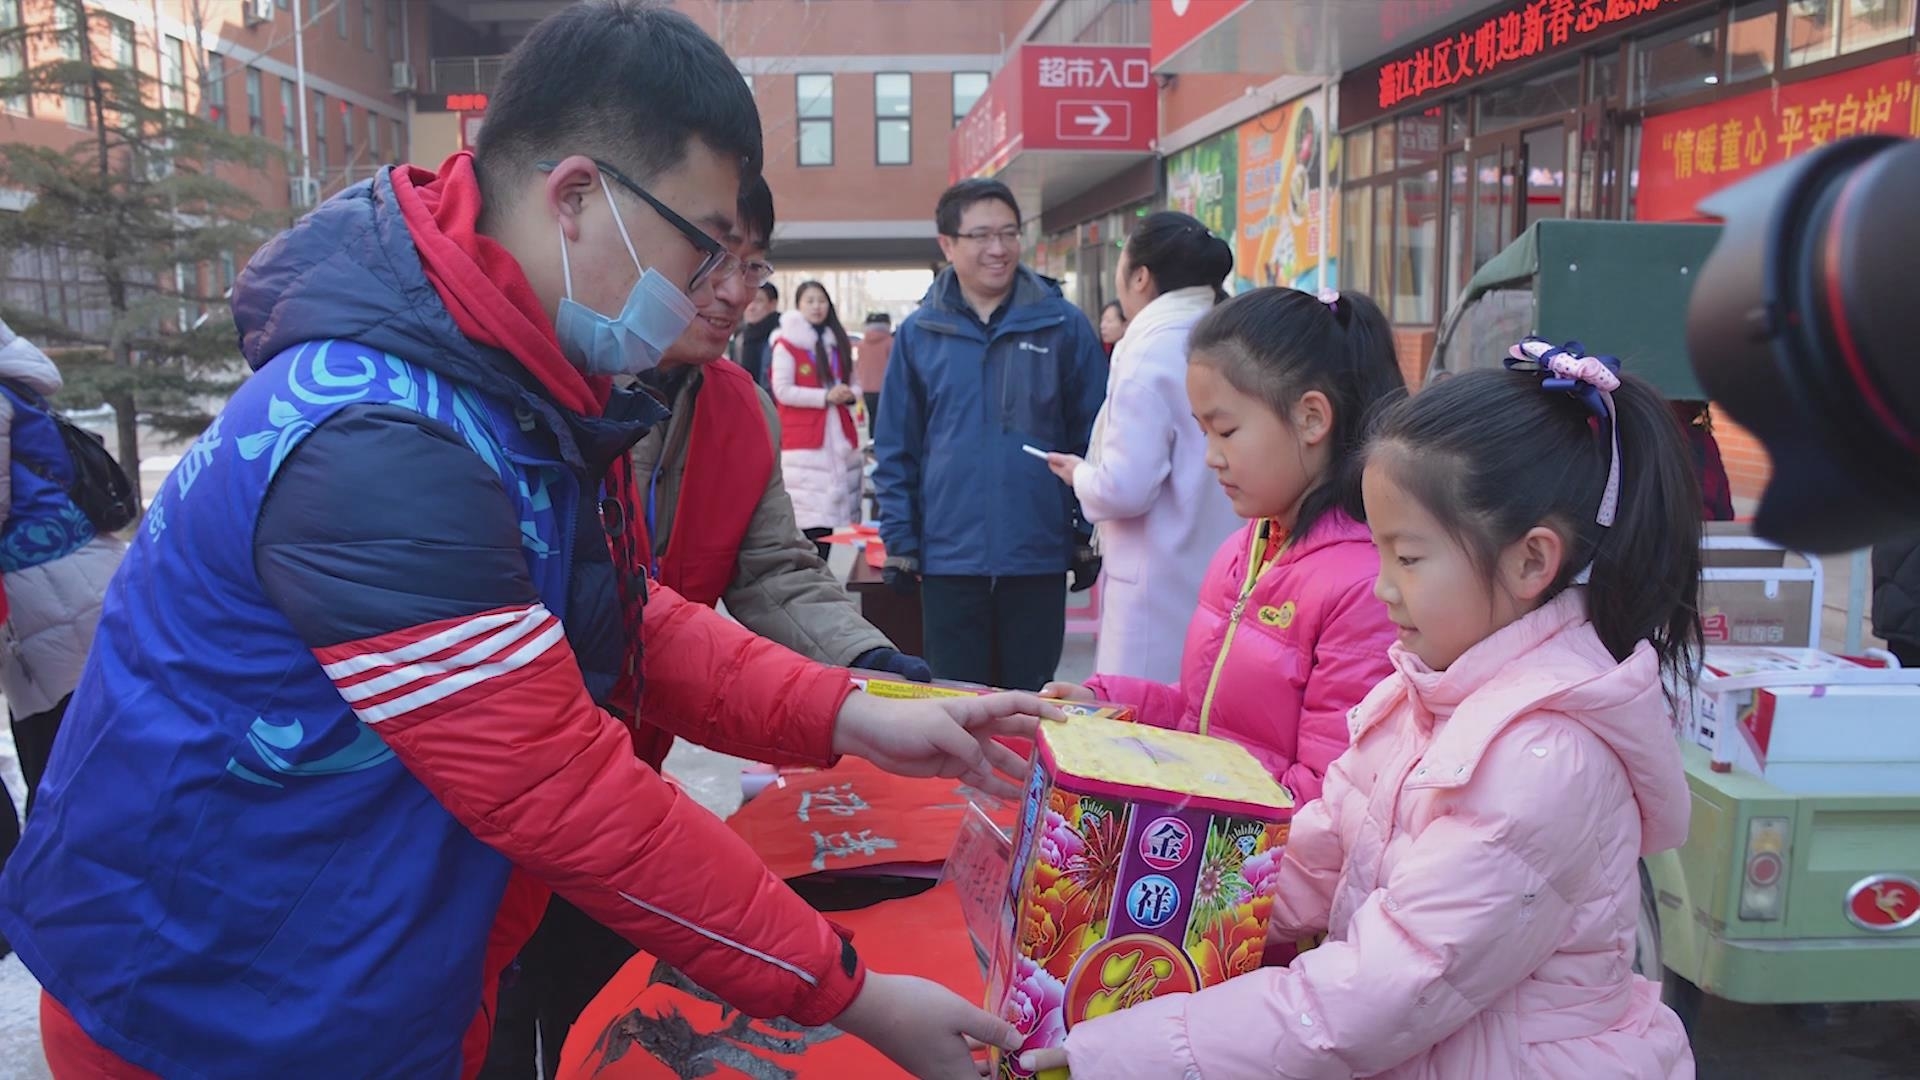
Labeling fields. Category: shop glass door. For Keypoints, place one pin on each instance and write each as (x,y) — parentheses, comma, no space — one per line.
(1543,162)
(1495,211)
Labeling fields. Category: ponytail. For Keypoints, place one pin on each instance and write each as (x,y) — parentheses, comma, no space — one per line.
(1645,582)
(1180,253)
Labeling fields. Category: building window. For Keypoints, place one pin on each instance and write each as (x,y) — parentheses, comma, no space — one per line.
(173,73)
(70,50)
(217,88)
(1753,35)
(121,31)
(340,18)
(13,54)
(256,124)
(893,118)
(393,30)
(1676,63)
(226,273)
(399,142)
(346,136)
(815,100)
(319,132)
(1823,29)
(967,88)
(373,138)
(366,24)
(289,131)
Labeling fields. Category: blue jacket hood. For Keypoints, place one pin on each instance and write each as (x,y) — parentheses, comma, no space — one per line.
(349,270)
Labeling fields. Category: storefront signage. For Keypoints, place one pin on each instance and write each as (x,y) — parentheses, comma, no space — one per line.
(1177,23)
(1510,37)
(1688,155)
(1203,181)
(1284,211)
(473,103)
(1258,187)
(1059,97)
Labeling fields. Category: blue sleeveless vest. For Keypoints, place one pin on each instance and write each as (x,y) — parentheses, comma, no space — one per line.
(246,793)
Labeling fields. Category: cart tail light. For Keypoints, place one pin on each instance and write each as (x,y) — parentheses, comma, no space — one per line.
(1763,883)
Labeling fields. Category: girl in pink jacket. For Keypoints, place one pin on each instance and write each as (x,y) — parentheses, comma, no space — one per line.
(1474,860)
(1288,635)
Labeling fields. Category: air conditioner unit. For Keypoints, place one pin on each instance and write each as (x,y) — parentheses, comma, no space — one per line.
(403,80)
(256,12)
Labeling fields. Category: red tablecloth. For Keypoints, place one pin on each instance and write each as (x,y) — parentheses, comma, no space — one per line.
(650,1023)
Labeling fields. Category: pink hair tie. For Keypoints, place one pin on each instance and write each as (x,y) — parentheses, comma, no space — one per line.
(1591,379)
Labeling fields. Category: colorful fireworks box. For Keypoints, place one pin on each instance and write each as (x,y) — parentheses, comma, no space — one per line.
(1143,866)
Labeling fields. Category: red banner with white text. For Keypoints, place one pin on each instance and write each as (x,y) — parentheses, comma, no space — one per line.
(1688,155)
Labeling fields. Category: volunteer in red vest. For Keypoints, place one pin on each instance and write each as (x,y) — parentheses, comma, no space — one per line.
(819,438)
(720,526)
(720,518)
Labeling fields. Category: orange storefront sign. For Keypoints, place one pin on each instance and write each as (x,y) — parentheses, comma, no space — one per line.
(1688,155)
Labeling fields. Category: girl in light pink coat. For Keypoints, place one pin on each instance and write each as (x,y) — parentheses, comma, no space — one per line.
(1474,858)
(1288,635)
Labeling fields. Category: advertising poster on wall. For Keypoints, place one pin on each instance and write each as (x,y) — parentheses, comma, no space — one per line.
(1200,181)
(1284,210)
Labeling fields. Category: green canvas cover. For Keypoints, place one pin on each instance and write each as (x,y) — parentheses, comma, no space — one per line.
(1618,287)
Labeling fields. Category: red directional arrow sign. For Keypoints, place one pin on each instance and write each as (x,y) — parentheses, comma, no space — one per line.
(1088,97)
(1060,97)
(1093,121)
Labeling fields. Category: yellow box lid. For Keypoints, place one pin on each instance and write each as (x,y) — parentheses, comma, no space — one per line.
(1154,761)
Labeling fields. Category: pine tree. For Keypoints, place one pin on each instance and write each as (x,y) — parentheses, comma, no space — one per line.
(136,199)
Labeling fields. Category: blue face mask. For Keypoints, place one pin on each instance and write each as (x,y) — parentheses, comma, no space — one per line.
(632,342)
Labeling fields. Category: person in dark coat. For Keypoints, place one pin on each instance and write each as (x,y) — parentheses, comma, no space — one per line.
(762,319)
(1896,597)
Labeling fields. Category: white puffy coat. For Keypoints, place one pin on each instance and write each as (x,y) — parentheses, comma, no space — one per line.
(1161,513)
(53,607)
(824,482)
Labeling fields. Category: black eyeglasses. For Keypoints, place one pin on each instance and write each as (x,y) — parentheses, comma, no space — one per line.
(715,252)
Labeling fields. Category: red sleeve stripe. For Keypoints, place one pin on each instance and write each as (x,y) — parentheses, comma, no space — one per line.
(396,687)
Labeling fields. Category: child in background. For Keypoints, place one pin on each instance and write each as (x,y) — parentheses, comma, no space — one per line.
(1288,635)
(1475,856)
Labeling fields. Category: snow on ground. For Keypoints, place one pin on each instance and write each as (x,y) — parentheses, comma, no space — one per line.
(20,1057)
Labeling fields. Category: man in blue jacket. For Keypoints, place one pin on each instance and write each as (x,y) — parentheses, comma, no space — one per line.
(995,358)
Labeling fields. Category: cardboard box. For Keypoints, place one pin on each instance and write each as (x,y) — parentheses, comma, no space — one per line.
(889,686)
(1811,739)
(1143,866)
(1771,597)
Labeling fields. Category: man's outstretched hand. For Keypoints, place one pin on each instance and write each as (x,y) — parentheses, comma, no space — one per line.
(923,1026)
(949,737)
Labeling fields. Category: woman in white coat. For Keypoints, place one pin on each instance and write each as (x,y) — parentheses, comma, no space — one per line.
(814,387)
(54,565)
(1160,515)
